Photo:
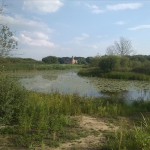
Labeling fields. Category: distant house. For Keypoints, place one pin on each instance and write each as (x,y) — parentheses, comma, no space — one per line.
(74,61)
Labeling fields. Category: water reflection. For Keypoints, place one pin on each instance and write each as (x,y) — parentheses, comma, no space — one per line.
(137,95)
(71,83)
(67,83)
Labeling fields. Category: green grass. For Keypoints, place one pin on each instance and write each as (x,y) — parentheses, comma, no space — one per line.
(135,138)
(26,64)
(96,72)
(32,66)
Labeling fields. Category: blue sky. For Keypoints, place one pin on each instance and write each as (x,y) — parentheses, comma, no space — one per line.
(77,27)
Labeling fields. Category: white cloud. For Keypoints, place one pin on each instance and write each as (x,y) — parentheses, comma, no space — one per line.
(120,23)
(81,38)
(95,9)
(37,39)
(124,6)
(19,22)
(43,6)
(140,27)
(116,7)
(33,36)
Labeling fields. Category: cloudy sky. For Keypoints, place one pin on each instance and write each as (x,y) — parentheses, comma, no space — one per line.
(76,27)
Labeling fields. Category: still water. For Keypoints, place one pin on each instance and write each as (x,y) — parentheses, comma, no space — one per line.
(70,83)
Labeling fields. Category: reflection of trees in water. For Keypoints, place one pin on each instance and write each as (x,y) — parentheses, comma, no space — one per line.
(50,77)
(128,95)
(116,96)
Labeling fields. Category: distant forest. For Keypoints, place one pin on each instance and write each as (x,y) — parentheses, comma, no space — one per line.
(66,60)
(89,60)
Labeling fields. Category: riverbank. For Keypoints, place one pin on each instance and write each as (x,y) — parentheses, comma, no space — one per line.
(34,120)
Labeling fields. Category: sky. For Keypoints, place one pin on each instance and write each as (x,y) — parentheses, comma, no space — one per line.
(76,27)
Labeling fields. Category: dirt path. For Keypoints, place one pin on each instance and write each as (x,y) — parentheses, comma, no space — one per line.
(96,128)
(93,125)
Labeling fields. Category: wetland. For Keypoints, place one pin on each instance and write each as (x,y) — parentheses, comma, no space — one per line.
(69,82)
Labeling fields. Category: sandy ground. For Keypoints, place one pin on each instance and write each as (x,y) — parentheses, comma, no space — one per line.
(91,124)
(96,127)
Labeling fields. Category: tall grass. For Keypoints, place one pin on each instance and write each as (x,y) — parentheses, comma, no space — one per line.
(135,138)
(46,116)
(33,66)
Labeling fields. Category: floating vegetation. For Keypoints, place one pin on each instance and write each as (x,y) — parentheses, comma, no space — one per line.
(114,85)
(68,82)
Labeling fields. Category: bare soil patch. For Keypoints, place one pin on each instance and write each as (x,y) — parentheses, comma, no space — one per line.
(97,128)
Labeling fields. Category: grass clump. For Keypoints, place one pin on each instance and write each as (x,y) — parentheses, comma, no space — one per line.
(138,137)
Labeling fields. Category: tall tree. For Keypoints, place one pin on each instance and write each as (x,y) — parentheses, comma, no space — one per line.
(122,47)
(7,40)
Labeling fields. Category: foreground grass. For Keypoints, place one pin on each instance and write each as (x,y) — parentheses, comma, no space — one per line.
(135,137)
(32,119)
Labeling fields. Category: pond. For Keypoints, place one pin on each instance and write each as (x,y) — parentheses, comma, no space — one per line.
(68,82)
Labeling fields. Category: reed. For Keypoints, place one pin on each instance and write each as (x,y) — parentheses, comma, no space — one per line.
(137,137)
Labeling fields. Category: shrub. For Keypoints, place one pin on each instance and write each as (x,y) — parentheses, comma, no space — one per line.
(50,60)
(145,69)
(12,99)
(109,63)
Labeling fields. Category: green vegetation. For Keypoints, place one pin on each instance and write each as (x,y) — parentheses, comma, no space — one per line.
(12,100)
(31,120)
(50,60)
(17,64)
(116,67)
(65,60)
(35,119)
(7,40)
(137,137)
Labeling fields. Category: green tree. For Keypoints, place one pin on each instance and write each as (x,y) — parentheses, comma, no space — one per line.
(50,60)
(124,63)
(7,40)
(95,61)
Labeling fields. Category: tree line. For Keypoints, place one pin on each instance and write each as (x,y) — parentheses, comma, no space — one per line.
(66,60)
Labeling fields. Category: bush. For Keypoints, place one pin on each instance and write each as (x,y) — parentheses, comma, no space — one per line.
(50,60)
(12,99)
(126,76)
(110,63)
(145,69)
